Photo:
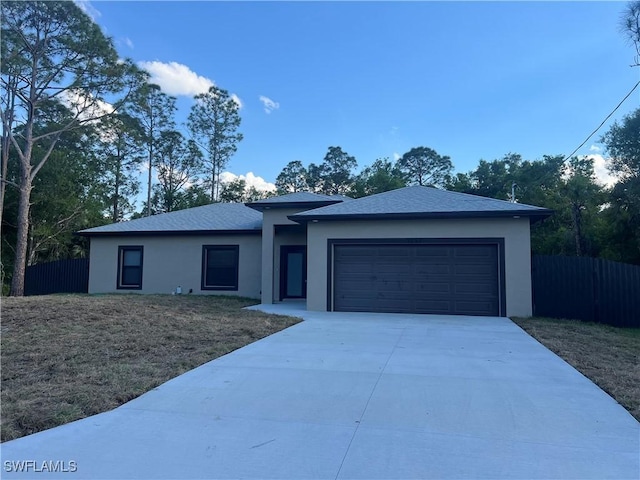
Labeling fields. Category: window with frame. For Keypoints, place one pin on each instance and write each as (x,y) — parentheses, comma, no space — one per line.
(130,267)
(220,267)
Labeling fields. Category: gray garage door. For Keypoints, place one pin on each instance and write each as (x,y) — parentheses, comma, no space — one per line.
(424,278)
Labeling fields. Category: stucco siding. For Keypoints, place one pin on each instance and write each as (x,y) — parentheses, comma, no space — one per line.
(271,250)
(514,231)
(172,261)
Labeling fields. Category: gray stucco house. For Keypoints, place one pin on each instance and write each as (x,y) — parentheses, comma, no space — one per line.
(415,249)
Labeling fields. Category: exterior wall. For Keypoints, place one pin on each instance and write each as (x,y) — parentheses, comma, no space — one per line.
(170,261)
(515,231)
(271,249)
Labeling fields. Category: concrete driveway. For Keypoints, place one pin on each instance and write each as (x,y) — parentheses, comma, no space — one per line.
(368,396)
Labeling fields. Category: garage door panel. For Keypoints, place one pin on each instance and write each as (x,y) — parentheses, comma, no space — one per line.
(354,260)
(421,270)
(474,289)
(433,306)
(463,251)
(352,251)
(361,270)
(392,286)
(474,308)
(388,307)
(481,269)
(417,278)
(398,252)
(433,287)
(442,251)
(356,285)
(389,269)
(478,279)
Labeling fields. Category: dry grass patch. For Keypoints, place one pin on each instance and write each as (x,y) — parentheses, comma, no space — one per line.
(608,356)
(65,357)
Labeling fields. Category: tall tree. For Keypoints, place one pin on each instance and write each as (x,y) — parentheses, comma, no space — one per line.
(155,111)
(63,201)
(538,181)
(233,191)
(179,164)
(252,194)
(213,122)
(120,152)
(8,93)
(292,178)
(583,198)
(237,191)
(381,176)
(194,195)
(631,28)
(423,166)
(542,183)
(315,173)
(335,173)
(489,179)
(53,52)
(622,143)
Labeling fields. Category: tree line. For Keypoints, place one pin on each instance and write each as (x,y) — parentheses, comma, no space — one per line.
(80,125)
(590,219)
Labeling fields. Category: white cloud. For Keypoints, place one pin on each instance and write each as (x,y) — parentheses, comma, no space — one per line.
(396,156)
(600,170)
(236,99)
(595,148)
(269,105)
(128,42)
(603,176)
(251,180)
(176,79)
(89,9)
(84,105)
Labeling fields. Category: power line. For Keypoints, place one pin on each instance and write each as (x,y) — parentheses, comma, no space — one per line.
(603,122)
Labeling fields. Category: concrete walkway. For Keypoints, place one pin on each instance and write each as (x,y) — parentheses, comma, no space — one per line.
(357,396)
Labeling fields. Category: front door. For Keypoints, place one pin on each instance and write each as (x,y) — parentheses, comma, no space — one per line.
(293,271)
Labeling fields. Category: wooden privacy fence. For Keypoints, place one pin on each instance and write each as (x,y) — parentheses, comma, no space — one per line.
(61,276)
(589,289)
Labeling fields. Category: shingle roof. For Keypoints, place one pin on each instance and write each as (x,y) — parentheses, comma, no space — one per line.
(420,202)
(297,199)
(216,217)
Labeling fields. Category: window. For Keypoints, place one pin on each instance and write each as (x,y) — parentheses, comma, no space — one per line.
(220,267)
(130,268)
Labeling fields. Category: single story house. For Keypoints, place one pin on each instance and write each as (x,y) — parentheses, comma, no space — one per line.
(415,249)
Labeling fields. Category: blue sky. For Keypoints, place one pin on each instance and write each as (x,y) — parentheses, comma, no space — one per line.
(472,80)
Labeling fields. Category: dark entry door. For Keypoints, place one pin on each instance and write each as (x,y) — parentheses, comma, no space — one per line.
(293,271)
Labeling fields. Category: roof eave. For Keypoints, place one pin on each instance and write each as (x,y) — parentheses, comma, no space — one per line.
(533,215)
(149,233)
(262,206)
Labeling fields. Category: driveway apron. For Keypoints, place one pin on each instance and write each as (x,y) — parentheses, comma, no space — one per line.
(356,396)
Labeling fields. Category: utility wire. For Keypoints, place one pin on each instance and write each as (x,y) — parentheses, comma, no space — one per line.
(603,122)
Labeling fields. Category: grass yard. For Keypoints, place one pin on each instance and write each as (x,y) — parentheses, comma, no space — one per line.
(609,356)
(65,357)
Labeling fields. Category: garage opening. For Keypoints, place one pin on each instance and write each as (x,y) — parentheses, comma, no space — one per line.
(436,278)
